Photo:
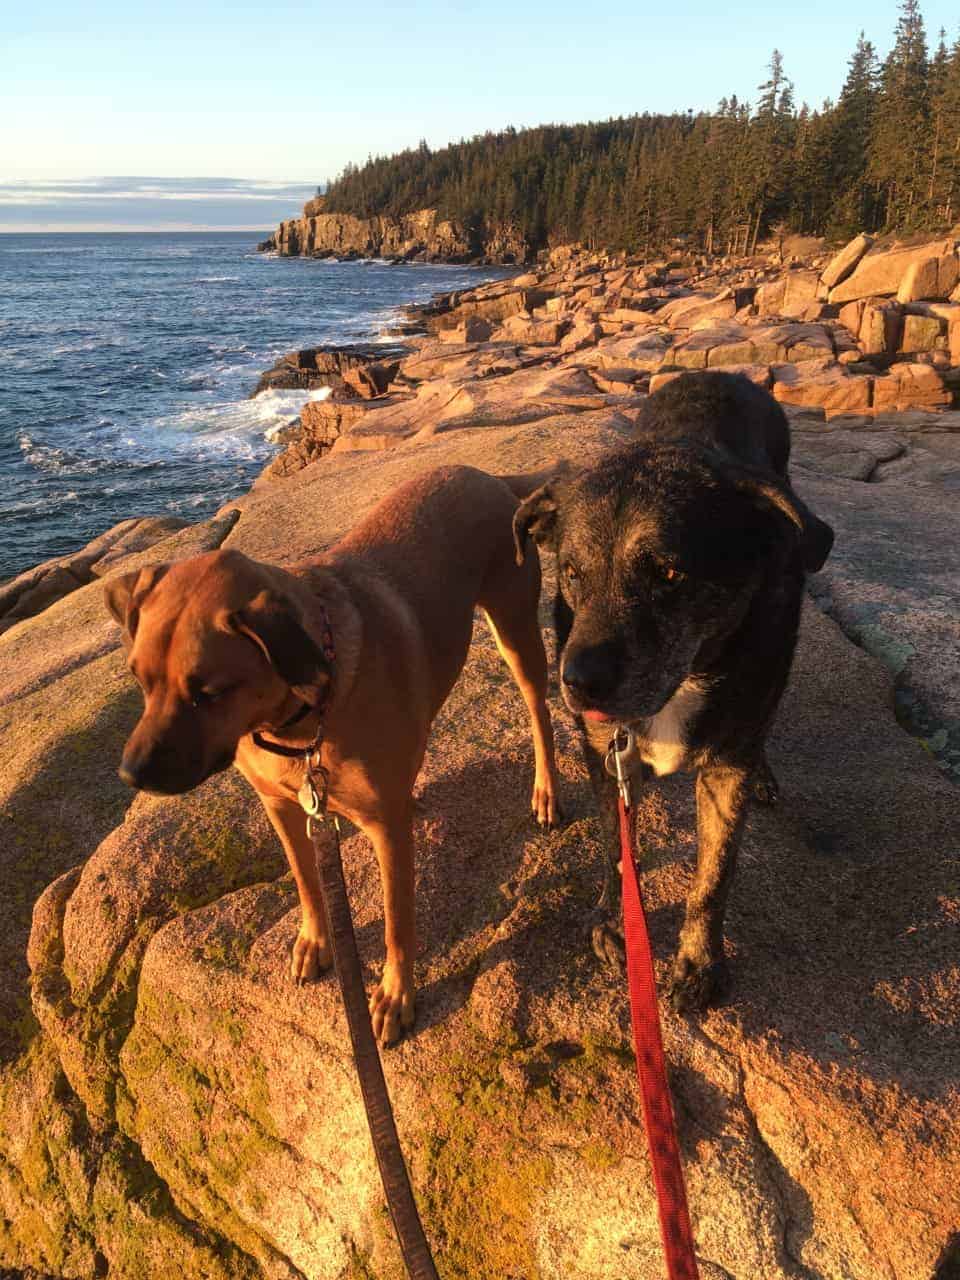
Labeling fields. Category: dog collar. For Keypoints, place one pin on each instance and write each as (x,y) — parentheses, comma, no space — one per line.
(298,753)
(278,748)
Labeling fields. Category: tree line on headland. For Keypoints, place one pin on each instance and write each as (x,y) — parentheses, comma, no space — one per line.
(885,156)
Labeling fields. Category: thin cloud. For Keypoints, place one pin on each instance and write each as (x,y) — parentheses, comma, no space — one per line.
(148,203)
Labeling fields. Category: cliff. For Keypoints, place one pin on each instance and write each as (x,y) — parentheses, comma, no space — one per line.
(170,1104)
(420,236)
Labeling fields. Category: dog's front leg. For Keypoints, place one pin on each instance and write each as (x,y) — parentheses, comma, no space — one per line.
(700,970)
(392,1006)
(311,952)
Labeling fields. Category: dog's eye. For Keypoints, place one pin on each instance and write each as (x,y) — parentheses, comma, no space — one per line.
(202,697)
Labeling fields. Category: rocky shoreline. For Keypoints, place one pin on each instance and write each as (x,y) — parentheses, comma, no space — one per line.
(170,1102)
(862,349)
(882,338)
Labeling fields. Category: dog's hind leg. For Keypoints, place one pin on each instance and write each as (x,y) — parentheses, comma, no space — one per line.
(699,971)
(311,951)
(511,614)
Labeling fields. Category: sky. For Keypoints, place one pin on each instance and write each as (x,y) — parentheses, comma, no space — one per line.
(287,93)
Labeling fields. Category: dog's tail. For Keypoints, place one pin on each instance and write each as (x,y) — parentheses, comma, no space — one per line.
(522,486)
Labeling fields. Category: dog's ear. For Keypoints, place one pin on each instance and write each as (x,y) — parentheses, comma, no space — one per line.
(536,517)
(275,627)
(815,536)
(125,594)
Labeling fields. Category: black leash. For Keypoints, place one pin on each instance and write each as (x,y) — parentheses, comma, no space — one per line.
(376,1100)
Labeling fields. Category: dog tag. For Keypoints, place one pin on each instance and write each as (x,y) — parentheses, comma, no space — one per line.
(309,800)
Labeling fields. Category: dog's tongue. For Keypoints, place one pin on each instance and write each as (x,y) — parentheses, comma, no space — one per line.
(600,717)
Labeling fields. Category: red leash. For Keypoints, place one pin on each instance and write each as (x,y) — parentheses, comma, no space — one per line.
(658,1120)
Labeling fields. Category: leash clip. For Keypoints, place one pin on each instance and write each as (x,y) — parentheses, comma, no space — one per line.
(313,790)
(622,746)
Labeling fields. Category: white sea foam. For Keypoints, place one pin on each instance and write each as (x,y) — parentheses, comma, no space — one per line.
(237,428)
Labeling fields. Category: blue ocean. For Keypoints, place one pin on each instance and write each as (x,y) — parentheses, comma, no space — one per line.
(127,362)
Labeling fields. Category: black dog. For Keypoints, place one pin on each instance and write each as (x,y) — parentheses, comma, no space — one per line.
(681,563)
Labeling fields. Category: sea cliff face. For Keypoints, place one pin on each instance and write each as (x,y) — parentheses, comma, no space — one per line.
(421,236)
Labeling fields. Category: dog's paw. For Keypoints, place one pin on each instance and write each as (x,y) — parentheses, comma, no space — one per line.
(694,985)
(392,1008)
(310,957)
(606,940)
(766,789)
(545,805)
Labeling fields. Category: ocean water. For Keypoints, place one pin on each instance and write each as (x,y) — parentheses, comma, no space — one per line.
(127,362)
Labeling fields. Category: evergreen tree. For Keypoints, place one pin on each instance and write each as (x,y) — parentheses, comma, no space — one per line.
(945,201)
(853,122)
(900,139)
(885,156)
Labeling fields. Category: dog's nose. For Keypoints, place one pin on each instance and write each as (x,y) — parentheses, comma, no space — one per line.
(130,774)
(592,673)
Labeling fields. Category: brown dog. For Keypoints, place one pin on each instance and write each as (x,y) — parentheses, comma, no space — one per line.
(224,646)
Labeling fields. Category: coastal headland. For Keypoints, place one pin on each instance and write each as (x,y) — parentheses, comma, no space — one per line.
(170,1102)
(421,236)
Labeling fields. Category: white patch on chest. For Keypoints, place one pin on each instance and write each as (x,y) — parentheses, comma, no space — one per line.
(662,740)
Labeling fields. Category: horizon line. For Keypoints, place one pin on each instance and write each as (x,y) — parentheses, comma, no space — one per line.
(22,229)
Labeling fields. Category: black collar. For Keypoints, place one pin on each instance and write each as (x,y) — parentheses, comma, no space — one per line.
(278,748)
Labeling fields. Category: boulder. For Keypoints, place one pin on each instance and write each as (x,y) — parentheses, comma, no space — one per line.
(473,329)
(882,273)
(757,343)
(922,333)
(533,333)
(850,315)
(930,278)
(496,305)
(698,311)
(845,261)
(371,380)
(880,327)
(316,367)
(920,280)
(800,293)
(621,316)
(769,297)
(436,358)
(644,352)
(728,343)
(583,334)
(910,386)
(825,385)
